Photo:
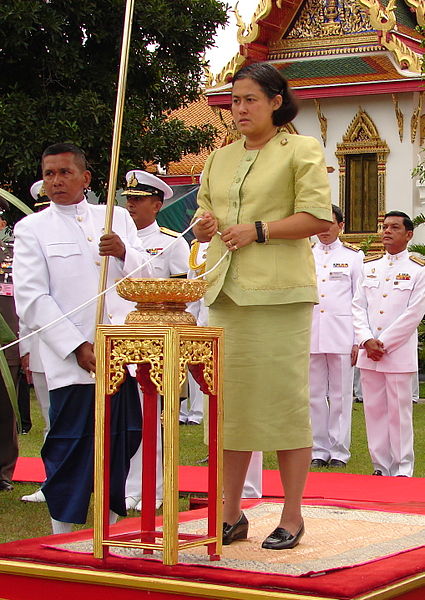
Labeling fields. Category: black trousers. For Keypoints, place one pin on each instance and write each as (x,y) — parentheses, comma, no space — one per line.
(8,434)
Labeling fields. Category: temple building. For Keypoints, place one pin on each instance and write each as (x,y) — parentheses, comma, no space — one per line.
(356,66)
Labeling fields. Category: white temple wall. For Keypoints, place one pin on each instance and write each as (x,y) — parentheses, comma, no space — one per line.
(401,191)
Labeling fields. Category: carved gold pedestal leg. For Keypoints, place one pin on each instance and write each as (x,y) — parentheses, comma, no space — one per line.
(164,352)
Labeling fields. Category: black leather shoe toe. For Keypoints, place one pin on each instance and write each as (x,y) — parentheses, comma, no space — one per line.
(377,472)
(281,539)
(237,531)
(339,464)
(5,486)
(319,462)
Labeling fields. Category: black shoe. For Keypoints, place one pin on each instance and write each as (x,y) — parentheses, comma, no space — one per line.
(319,462)
(281,539)
(377,472)
(5,486)
(339,464)
(237,531)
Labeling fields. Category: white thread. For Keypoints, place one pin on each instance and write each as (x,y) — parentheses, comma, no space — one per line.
(215,266)
(110,288)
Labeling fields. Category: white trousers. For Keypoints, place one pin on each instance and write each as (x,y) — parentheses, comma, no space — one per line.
(387,401)
(42,394)
(192,409)
(133,485)
(331,400)
(415,386)
(253,486)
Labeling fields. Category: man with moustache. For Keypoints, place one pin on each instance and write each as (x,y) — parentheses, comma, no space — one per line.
(145,195)
(56,266)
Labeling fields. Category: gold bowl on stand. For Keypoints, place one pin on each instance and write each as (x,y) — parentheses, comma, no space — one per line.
(161,301)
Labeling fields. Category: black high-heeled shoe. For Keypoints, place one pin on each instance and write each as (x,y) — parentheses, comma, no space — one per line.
(237,531)
(281,539)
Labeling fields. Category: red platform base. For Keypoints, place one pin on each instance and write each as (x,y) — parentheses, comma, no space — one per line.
(34,570)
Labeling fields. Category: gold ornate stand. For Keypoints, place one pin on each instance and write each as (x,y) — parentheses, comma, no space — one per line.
(163,353)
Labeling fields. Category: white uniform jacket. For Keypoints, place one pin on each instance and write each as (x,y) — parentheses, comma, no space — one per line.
(389,305)
(30,346)
(56,269)
(338,269)
(173,262)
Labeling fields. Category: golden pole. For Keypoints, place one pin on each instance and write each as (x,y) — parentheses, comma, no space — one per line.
(100,384)
(116,143)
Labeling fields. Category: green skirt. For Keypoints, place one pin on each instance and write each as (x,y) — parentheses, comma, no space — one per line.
(266,367)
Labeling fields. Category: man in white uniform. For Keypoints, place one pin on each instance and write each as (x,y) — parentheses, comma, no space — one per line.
(145,194)
(56,266)
(387,308)
(333,352)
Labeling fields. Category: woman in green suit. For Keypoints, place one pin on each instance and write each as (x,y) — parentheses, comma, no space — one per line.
(265,194)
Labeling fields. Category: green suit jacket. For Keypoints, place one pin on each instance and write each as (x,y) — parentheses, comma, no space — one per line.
(288,175)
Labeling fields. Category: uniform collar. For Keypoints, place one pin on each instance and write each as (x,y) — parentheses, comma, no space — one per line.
(149,230)
(399,256)
(71,209)
(326,247)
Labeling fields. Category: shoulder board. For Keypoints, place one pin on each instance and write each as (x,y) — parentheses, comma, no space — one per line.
(312,244)
(372,257)
(169,232)
(351,246)
(418,260)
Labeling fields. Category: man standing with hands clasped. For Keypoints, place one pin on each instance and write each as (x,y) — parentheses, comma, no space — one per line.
(387,309)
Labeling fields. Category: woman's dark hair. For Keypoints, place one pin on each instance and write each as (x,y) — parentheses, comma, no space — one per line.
(272,83)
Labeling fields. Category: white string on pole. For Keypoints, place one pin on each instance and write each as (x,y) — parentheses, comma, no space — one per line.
(105,291)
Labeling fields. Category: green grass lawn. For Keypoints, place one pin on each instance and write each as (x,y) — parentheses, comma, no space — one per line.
(20,520)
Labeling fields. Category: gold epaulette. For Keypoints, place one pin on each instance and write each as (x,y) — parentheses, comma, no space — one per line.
(351,246)
(193,258)
(169,232)
(371,257)
(418,260)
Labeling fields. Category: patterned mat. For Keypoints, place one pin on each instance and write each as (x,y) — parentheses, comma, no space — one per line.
(334,538)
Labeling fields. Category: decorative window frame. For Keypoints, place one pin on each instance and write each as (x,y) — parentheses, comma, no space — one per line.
(362,137)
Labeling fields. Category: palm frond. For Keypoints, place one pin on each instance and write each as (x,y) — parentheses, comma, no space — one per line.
(418,248)
(10,387)
(7,336)
(16,202)
(418,220)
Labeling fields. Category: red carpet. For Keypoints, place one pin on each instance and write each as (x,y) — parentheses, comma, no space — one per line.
(335,486)
(29,469)
(344,584)
(334,489)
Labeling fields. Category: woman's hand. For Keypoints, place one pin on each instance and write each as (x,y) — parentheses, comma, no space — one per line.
(206,228)
(238,236)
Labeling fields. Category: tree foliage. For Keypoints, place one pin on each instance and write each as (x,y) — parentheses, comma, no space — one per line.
(59,63)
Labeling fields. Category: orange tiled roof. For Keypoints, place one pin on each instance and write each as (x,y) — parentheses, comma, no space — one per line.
(198,113)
